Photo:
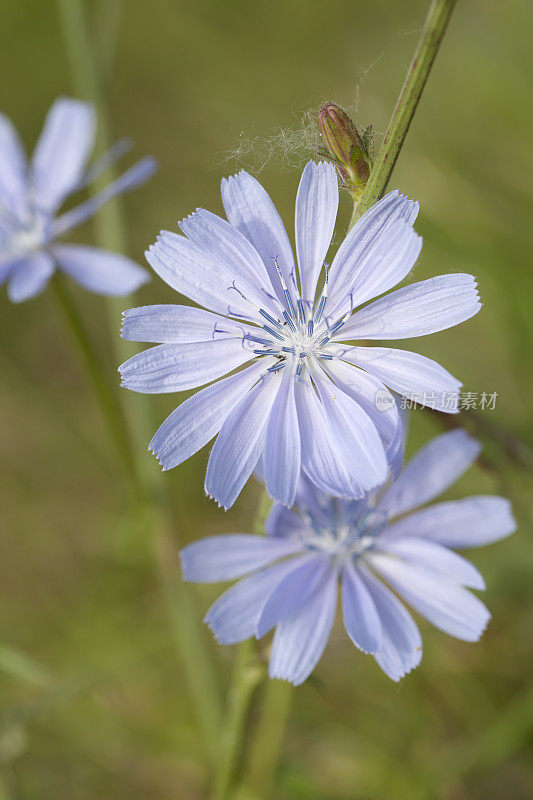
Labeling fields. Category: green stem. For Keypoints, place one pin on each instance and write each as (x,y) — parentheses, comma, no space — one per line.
(260,774)
(107,398)
(188,634)
(430,39)
(246,676)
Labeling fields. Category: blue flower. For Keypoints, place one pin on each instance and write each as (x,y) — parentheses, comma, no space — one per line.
(294,571)
(305,402)
(31,194)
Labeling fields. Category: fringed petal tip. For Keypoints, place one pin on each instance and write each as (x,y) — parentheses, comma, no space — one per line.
(281,675)
(218,636)
(232,178)
(398,676)
(198,210)
(160,459)
(216,500)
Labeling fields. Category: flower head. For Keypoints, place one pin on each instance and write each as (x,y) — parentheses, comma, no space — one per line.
(32,193)
(293,573)
(305,401)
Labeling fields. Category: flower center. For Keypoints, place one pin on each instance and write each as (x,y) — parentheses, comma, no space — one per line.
(300,333)
(345,538)
(18,239)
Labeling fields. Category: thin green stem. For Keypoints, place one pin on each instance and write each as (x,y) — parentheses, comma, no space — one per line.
(194,655)
(246,676)
(430,39)
(105,395)
(260,774)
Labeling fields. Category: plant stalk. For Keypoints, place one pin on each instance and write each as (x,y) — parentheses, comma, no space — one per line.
(430,40)
(105,395)
(247,674)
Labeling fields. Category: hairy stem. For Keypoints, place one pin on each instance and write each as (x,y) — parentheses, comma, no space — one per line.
(189,637)
(430,39)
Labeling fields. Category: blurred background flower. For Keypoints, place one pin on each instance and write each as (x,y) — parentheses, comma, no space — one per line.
(93,702)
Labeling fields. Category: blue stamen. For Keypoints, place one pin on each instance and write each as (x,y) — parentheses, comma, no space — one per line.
(320,309)
(323,298)
(301,311)
(286,292)
(249,337)
(288,298)
(276,367)
(289,321)
(267,316)
(272,332)
(336,327)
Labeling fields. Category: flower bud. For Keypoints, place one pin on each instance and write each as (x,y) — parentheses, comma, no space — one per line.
(344,147)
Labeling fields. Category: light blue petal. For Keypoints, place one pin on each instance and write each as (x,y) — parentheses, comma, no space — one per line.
(13,168)
(361,618)
(363,242)
(446,605)
(355,434)
(249,209)
(401,647)
(433,470)
(234,615)
(300,640)
(435,557)
(167,324)
(59,159)
(395,451)
(28,277)
(138,174)
(322,460)
(410,374)
(232,555)
(472,522)
(240,443)
(368,392)
(194,423)
(317,202)
(313,502)
(7,264)
(285,522)
(177,367)
(294,591)
(416,310)
(98,270)
(282,457)
(386,263)
(188,270)
(225,244)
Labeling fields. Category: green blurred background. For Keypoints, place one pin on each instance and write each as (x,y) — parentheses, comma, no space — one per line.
(95,701)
